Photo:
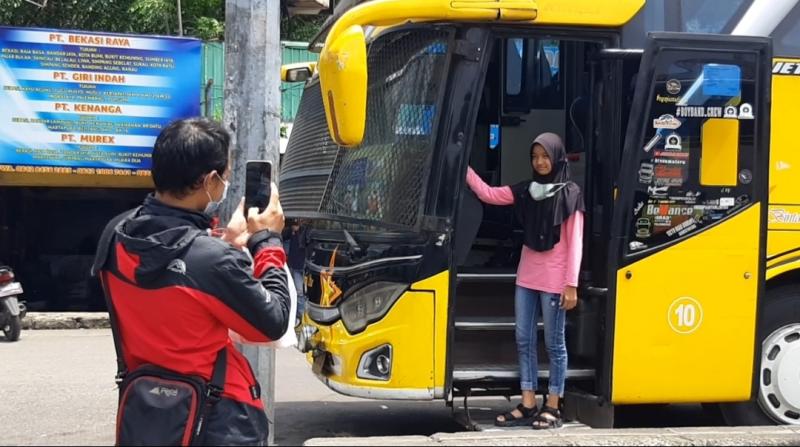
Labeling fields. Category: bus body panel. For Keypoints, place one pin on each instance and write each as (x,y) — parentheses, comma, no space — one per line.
(439,285)
(783,245)
(689,338)
(609,13)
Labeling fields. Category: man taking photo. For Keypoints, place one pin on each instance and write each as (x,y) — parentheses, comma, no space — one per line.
(176,290)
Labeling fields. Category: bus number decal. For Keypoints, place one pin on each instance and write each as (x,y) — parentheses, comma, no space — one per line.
(685,315)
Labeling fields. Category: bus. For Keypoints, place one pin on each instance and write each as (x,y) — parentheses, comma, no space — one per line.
(678,118)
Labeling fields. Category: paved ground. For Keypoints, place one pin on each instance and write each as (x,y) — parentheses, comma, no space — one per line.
(56,387)
(740,436)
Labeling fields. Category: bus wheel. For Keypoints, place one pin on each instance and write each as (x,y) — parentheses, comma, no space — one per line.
(778,399)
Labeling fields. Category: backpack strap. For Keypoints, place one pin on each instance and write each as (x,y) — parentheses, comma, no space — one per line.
(217,383)
(103,249)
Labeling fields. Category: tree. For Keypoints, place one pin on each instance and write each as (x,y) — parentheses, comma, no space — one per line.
(301,28)
(201,18)
(90,15)
(204,19)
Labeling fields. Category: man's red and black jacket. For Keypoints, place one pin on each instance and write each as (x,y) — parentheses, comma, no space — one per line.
(177,291)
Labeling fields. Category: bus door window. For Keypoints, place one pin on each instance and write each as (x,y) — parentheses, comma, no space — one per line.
(697,164)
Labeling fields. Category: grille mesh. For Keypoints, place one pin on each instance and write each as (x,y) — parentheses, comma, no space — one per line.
(309,157)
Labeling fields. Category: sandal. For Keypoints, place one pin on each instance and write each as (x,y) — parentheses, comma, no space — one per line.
(509,420)
(547,418)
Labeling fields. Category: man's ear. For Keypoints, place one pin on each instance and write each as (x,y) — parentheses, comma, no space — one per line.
(203,183)
(209,178)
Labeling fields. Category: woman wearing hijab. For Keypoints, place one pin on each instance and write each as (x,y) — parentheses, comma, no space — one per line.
(550,209)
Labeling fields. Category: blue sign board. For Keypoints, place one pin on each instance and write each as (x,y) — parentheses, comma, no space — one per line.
(91,103)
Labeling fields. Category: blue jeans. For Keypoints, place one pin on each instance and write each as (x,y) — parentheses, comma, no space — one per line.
(299,284)
(527,304)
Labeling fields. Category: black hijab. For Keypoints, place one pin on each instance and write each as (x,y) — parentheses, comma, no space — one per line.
(541,220)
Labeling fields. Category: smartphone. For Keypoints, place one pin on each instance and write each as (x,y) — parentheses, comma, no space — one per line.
(258,179)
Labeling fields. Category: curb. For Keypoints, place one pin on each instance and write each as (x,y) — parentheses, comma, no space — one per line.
(65,320)
(762,436)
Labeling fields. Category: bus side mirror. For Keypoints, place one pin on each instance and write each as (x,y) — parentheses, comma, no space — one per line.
(343,80)
(299,72)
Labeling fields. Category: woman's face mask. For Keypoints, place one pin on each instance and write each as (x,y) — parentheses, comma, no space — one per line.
(541,191)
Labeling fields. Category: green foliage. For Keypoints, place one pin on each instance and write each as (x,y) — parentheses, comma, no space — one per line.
(154,16)
(301,28)
(90,15)
(201,18)
(207,28)
(204,19)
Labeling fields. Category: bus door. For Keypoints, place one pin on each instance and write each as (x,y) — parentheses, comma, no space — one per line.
(689,223)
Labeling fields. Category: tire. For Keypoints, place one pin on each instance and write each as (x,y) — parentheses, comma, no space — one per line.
(781,310)
(13,329)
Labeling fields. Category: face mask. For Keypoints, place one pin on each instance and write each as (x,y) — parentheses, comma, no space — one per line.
(213,207)
(541,191)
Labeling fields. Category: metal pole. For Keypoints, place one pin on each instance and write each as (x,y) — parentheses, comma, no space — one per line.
(252,115)
(209,105)
(180,19)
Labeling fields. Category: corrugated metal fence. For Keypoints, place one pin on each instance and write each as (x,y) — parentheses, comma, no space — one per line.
(212,90)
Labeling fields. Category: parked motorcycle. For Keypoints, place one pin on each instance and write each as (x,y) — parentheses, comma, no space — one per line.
(12,310)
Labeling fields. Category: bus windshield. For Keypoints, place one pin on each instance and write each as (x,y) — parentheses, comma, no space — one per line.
(381,182)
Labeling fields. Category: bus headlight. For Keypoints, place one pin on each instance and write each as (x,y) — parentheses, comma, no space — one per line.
(369,304)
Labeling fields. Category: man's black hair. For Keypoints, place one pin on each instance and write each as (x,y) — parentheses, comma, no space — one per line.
(185,151)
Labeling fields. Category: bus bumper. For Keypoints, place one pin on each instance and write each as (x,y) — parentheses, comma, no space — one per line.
(392,359)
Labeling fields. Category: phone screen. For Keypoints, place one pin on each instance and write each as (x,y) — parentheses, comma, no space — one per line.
(257,185)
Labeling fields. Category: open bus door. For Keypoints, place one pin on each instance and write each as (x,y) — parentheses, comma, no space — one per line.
(689,226)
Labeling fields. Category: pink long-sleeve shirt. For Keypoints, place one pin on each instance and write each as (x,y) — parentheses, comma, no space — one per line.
(550,271)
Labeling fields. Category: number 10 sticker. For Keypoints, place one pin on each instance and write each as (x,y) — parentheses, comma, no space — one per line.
(685,315)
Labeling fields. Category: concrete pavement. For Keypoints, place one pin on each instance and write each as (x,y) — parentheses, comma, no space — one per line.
(744,436)
(57,388)
(65,320)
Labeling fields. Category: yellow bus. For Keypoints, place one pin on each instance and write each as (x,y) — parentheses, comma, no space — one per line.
(681,140)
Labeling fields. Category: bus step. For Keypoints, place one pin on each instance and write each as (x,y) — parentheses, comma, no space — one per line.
(487,277)
(488,324)
(480,415)
(477,373)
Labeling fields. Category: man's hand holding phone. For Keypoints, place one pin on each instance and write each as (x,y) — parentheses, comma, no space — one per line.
(270,219)
(236,232)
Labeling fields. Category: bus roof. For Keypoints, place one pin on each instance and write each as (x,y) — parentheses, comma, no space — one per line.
(777,18)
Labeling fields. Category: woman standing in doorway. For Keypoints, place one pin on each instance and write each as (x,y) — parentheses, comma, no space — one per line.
(550,209)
